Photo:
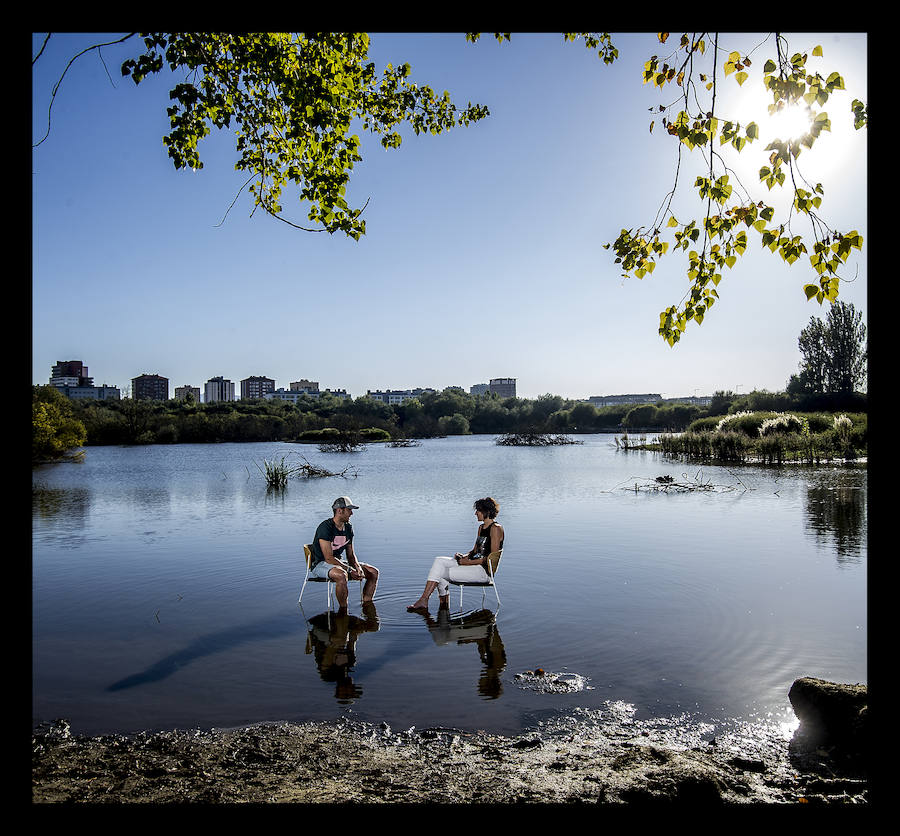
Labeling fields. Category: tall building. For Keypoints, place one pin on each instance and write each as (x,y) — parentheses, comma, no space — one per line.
(150,387)
(479,389)
(218,389)
(70,373)
(310,387)
(71,378)
(256,387)
(183,392)
(505,387)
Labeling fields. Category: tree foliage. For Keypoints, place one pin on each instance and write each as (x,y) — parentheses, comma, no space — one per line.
(720,235)
(834,353)
(54,429)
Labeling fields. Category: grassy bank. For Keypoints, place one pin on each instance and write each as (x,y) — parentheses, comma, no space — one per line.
(767,438)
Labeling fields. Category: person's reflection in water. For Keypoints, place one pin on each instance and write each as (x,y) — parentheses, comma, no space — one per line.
(479,628)
(332,638)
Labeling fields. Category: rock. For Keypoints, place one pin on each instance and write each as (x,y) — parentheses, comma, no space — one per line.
(833,730)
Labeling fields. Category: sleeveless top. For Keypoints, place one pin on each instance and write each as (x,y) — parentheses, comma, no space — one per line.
(483,540)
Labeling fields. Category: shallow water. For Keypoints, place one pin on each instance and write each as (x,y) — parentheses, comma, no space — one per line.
(165,584)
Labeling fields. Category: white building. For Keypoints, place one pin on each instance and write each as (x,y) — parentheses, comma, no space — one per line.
(218,389)
(100,393)
(397,396)
(290,395)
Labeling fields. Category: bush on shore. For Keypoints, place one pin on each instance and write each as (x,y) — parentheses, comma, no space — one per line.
(771,438)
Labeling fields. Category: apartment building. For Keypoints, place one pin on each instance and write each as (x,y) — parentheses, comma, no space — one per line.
(505,387)
(310,387)
(256,387)
(218,389)
(397,396)
(72,373)
(150,387)
(182,393)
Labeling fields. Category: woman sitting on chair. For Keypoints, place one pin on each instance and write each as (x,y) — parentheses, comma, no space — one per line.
(465,567)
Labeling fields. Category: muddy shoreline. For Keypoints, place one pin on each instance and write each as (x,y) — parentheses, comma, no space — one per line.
(573,761)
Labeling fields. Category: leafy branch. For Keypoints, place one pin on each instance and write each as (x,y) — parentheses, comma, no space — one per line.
(696,126)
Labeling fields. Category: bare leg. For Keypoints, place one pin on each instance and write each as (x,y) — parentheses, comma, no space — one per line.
(422,603)
(340,586)
(371,574)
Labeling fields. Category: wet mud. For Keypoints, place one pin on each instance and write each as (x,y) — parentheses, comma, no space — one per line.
(584,757)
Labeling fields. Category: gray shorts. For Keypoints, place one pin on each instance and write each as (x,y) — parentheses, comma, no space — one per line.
(321,570)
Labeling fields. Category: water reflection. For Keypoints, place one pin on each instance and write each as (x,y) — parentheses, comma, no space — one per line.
(332,639)
(478,628)
(836,516)
(127,528)
(68,504)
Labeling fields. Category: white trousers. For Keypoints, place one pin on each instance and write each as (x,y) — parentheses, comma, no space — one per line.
(446,569)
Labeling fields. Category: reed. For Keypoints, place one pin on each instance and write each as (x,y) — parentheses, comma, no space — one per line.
(278,471)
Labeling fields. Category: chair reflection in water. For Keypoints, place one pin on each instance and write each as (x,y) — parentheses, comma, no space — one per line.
(492,564)
(307,553)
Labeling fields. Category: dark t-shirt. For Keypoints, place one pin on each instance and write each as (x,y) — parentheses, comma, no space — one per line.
(339,540)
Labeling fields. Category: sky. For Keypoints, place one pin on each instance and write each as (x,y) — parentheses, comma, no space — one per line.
(483,255)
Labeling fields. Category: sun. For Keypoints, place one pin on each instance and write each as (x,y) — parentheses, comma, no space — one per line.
(789,123)
(831,151)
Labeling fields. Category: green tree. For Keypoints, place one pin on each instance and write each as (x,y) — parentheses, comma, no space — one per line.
(645,415)
(54,430)
(455,424)
(834,353)
(293,100)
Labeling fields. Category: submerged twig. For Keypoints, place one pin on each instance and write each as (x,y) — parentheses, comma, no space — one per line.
(668,484)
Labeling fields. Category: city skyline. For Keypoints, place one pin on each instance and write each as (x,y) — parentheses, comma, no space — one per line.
(484,247)
(468,389)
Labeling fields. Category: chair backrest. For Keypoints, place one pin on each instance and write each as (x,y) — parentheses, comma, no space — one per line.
(307,551)
(494,561)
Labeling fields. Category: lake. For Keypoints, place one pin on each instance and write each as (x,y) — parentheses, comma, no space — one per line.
(165,585)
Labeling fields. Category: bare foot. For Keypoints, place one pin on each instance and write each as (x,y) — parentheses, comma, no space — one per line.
(419,605)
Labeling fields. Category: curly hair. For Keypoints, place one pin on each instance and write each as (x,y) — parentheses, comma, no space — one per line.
(488,506)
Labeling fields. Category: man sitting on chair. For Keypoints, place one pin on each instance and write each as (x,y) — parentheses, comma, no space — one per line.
(333,540)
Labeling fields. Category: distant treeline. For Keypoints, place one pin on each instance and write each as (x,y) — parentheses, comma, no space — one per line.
(451,412)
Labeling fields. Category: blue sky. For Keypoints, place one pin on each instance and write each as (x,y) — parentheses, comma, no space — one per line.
(483,256)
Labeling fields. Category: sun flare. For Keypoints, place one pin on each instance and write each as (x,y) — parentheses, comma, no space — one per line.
(789,123)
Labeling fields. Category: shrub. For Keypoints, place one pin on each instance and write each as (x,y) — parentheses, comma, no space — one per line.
(784,423)
(747,423)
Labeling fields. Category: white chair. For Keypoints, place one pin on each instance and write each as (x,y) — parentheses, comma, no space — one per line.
(492,564)
(307,553)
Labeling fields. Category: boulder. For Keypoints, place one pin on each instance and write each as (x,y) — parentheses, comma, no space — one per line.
(833,728)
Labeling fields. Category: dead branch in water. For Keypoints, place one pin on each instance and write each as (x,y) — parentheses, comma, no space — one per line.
(668,484)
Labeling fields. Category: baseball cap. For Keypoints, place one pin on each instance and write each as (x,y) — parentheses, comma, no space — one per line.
(343,502)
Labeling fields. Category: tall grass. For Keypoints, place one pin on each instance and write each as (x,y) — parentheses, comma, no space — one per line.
(277,472)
